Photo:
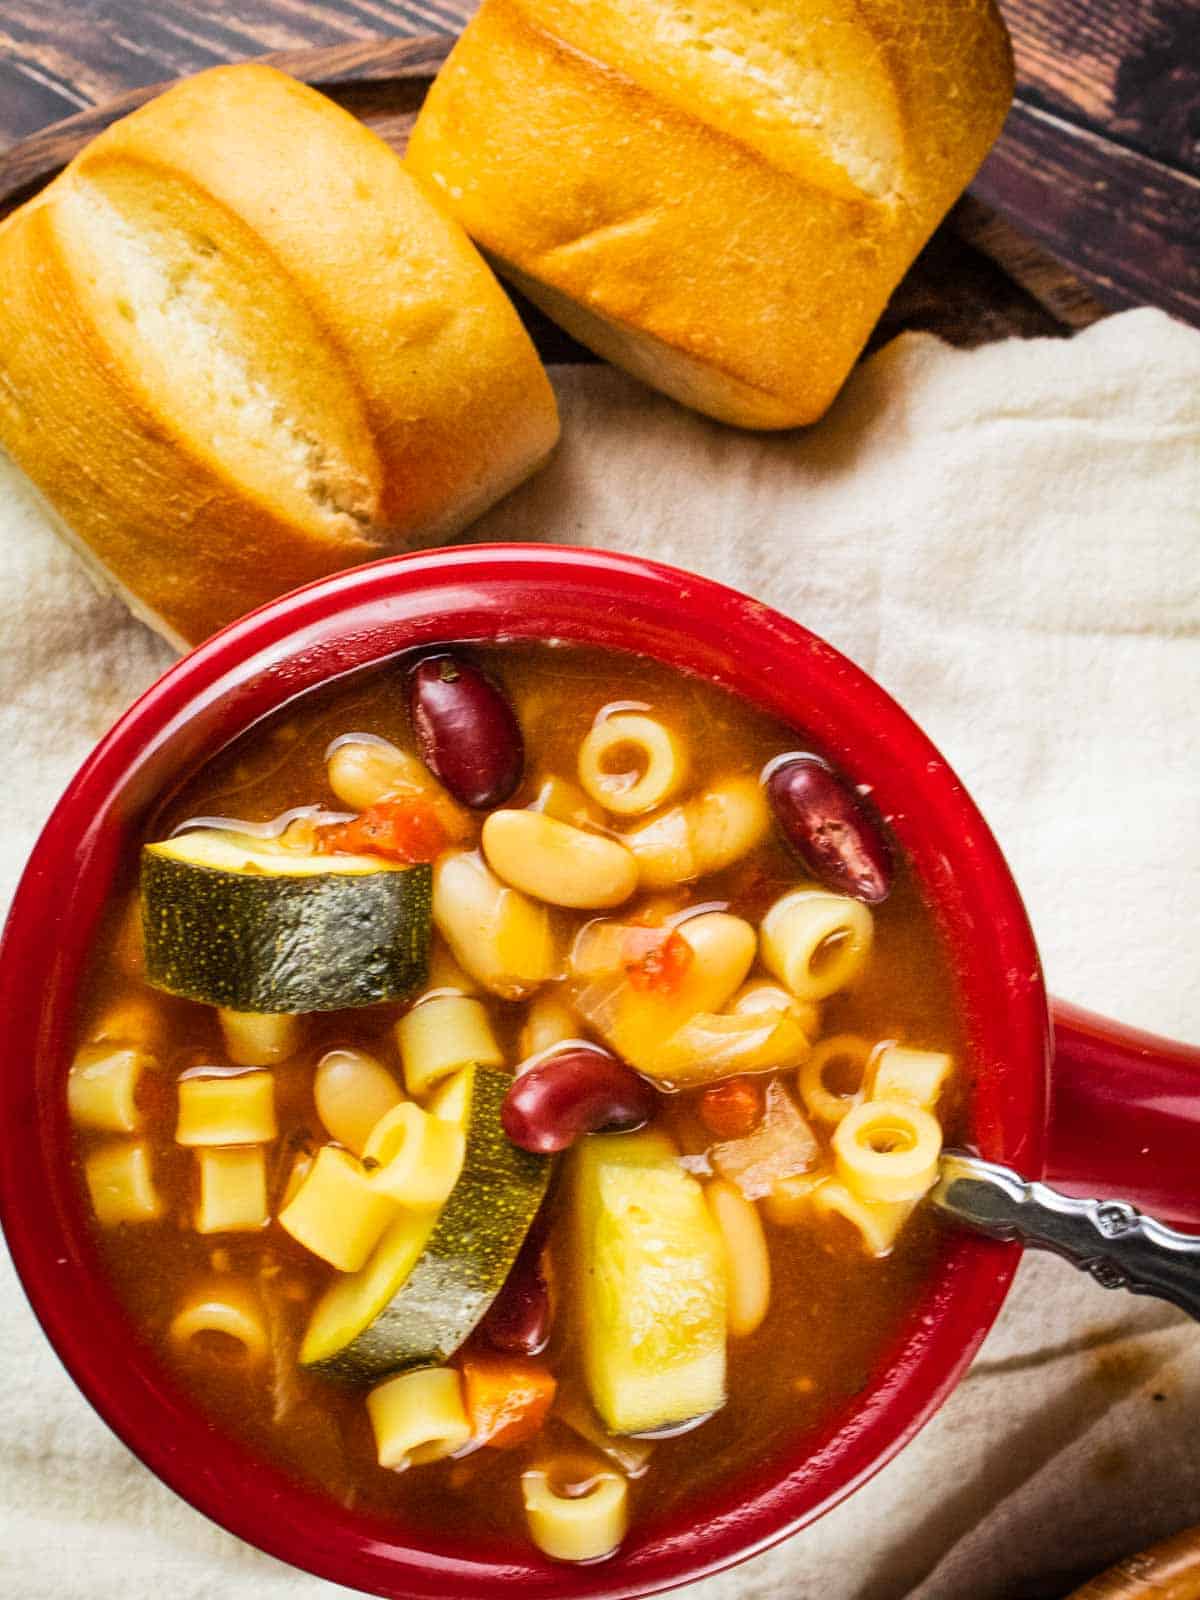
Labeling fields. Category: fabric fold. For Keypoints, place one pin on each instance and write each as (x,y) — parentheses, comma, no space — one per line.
(1008,538)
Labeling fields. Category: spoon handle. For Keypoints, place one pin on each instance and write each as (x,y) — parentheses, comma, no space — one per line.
(1117,1244)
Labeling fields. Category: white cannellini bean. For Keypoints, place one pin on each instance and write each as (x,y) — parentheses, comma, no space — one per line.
(364,771)
(760,994)
(548,1021)
(353,1091)
(497,934)
(722,952)
(727,822)
(558,863)
(747,1264)
(704,835)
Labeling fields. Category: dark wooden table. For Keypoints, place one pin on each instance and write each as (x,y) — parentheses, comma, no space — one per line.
(1100,161)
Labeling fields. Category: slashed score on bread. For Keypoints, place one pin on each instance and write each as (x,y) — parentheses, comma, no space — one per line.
(718,195)
(241,348)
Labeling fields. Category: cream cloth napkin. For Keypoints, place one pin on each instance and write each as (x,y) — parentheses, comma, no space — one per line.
(1009,539)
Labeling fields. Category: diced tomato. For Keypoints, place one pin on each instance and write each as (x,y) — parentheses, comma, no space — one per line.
(732,1108)
(401,830)
(638,940)
(507,1398)
(660,968)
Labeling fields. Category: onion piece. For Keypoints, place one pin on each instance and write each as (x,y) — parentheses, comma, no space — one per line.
(782,1146)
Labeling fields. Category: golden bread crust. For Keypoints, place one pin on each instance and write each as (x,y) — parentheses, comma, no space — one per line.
(624,172)
(240,349)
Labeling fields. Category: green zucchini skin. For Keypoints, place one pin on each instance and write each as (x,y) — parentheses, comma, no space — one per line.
(468,1255)
(272,942)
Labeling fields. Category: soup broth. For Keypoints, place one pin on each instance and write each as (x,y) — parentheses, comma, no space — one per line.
(839,1277)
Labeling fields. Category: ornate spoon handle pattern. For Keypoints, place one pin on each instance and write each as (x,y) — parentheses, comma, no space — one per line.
(1117,1244)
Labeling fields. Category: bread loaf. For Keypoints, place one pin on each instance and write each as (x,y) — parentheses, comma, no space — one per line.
(240,348)
(718,195)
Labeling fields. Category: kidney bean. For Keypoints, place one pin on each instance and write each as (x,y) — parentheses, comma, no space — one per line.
(574,1091)
(466,730)
(518,1319)
(831,828)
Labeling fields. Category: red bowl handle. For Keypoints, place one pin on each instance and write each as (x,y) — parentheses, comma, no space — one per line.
(1124,1115)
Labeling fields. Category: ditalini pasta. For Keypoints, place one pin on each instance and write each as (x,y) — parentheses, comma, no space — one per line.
(583,1525)
(416,1157)
(220,1313)
(260,1038)
(337,1212)
(504,1094)
(907,1074)
(226,1108)
(418,1417)
(442,1034)
(887,1150)
(295,1174)
(233,1189)
(120,1181)
(816,942)
(630,763)
(877,1222)
(847,1055)
(102,1087)
(451,1100)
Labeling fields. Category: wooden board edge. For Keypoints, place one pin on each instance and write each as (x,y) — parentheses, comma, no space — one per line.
(1040,295)
(29,165)
(1133,222)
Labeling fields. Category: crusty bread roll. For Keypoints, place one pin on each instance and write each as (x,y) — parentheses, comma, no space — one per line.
(718,195)
(240,348)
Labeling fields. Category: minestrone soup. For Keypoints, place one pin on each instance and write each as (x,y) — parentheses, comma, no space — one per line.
(507,1089)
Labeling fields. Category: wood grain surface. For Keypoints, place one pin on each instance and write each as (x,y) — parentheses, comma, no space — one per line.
(1100,160)
(976,280)
(1167,1571)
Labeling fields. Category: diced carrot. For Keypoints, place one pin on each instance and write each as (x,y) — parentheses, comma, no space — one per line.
(507,1398)
(661,968)
(731,1108)
(401,830)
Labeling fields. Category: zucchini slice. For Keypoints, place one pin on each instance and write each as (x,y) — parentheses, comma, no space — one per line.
(431,1279)
(651,1292)
(254,925)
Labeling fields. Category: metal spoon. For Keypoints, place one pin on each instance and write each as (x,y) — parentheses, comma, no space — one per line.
(1117,1244)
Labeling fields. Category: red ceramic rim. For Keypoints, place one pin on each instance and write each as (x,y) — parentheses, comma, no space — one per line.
(500,592)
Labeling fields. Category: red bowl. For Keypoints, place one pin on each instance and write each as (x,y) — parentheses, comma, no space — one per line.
(1116,1104)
